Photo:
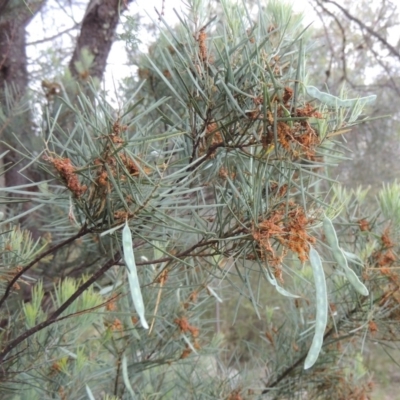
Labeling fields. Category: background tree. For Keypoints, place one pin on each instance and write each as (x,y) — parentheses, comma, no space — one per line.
(97,31)
(360,43)
(217,160)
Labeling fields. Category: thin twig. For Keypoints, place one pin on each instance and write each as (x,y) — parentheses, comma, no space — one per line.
(367,28)
(53,318)
(162,278)
(292,367)
(84,230)
(47,39)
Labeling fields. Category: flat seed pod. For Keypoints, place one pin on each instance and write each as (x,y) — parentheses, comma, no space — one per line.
(132,274)
(278,288)
(321,318)
(354,279)
(334,101)
(125,377)
(340,257)
(330,233)
(89,393)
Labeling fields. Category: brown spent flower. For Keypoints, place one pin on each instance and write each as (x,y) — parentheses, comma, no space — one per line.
(68,174)
(184,326)
(122,215)
(308,111)
(287,94)
(202,44)
(387,242)
(213,137)
(117,325)
(373,328)
(130,165)
(224,173)
(144,73)
(118,128)
(167,74)
(235,395)
(364,225)
(193,296)
(299,139)
(111,305)
(186,352)
(269,336)
(289,230)
(258,100)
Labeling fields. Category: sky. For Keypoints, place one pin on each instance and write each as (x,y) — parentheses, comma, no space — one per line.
(63,16)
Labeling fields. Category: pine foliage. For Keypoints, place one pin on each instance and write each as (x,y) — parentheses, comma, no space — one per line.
(218,161)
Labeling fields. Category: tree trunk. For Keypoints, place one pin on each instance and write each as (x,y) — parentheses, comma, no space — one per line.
(14,18)
(97,35)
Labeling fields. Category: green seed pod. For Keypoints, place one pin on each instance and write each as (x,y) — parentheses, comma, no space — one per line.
(132,274)
(330,233)
(340,257)
(321,318)
(334,101)
(354,279)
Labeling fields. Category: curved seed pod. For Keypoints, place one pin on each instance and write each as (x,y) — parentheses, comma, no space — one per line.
(321,318)
(330,233)
(89,393)
(340,257)
(125,377)
(279,289)
(354,258)
(354,279)
(334,101)
(132,274)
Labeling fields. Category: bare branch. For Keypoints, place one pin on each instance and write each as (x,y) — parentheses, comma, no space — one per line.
(343,33)
(53,249)
(50,38)
(53,318)
(367,28)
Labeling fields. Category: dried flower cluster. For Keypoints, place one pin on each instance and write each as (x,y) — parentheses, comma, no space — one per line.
(385,257)
(225,173)
(300,138)
(289,230)
(364,225)
(184,326)
(213,138)
(202,45)
(297,137)
(68,174)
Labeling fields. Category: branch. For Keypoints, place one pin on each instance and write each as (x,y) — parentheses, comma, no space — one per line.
(47,39)
(329,41)
(334,328)
(53,318)
(53,249)
(367,28)
(338,23)
(389,73)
